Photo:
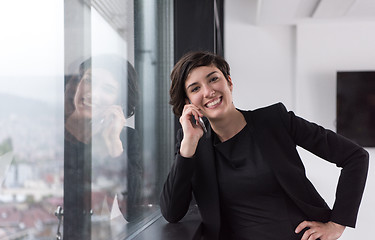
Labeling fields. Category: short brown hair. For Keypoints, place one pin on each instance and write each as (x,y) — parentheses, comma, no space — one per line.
(182,70)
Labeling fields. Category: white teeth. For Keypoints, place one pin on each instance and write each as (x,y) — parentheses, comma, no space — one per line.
(213,103)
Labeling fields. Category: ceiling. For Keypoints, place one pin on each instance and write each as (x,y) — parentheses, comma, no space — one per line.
(265,12)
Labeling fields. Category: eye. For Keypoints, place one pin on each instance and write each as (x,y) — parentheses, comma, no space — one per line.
(214,79)
(195,89)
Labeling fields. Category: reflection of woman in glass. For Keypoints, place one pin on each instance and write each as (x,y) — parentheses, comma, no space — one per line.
(100,99)
(97,106)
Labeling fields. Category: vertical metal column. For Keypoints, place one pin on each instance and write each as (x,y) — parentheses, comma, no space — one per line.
(77,156)
(198,25)
(165,117)
(145,32)
(153,62)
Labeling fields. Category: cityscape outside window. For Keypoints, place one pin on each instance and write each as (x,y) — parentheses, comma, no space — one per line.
(85,120)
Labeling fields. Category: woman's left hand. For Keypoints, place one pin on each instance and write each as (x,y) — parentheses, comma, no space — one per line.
(319,230)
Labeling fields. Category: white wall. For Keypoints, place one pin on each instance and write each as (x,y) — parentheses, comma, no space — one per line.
(261,61)
(297,66)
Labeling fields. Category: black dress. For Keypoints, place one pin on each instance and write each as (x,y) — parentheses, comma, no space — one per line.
(253,204)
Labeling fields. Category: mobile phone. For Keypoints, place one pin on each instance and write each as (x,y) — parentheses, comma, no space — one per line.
(200,121)
(202,125)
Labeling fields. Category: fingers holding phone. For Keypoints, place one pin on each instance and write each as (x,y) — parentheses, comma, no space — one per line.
(191,119)
(110,127)
(114,121)
(199,119)
(109,119)
(192,128)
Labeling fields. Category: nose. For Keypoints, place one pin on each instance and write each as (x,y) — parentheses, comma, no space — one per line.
(208,91)
(97,94)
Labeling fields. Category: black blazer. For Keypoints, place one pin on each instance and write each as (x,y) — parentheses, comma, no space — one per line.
(277,133)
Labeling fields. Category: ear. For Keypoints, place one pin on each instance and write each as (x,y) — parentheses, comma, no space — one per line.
(187,101)
(230,83)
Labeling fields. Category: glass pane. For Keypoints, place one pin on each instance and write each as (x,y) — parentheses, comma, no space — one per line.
(117,166)
(31,118)
(118,126)
(85,120)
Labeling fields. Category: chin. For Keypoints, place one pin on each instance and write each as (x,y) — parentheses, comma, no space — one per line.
(217,113)
(84,113)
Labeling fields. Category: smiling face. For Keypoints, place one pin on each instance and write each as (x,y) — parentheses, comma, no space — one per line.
(96,90)
(208,89)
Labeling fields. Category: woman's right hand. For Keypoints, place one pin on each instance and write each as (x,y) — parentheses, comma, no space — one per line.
(109,121)
(192,131)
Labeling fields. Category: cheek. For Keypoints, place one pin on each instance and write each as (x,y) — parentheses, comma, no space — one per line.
(83,88)
(112,100)
(195,99)
(105,99)
(79,92)
(229,87)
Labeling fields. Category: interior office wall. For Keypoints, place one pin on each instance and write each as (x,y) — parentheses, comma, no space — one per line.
(297,65)
(261,61)
(322,50)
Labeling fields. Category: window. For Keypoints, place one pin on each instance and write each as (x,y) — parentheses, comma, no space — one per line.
(86,123)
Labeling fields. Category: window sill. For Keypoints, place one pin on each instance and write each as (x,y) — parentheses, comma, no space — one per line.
(189,228)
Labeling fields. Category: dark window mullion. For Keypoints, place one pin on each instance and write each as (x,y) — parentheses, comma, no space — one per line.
(77,156)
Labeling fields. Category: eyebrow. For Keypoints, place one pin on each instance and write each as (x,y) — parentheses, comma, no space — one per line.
(195,83)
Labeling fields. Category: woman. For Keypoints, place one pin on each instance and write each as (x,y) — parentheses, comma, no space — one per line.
(245,173)
(102,153)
